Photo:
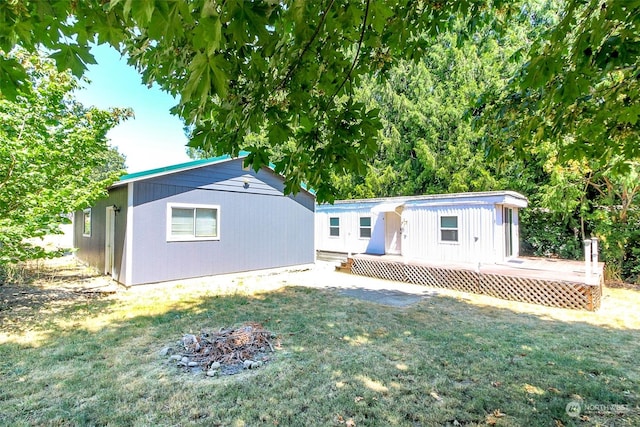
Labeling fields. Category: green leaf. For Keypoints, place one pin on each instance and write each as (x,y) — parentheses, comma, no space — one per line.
(305,123)
(142,11)
(220,79)
(209,9)
(72,57)
(208,35)
(279,133)
(109,32)
(13,78)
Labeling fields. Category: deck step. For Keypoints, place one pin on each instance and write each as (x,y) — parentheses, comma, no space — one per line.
(345,266)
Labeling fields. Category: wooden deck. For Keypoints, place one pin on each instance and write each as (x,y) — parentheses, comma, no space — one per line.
(550,282)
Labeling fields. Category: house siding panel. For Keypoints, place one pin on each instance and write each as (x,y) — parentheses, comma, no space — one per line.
(480,230)
(90,249)
(349,239)
(258,227)
(224,177)
(422,234)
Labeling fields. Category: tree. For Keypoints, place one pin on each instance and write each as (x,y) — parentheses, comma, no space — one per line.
(52,157)
(111,160)
(580,89)
(575,105)
(428,141)
(427,144)
(578,94)
(287,69)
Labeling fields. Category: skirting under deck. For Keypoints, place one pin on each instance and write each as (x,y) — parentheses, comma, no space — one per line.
(532,286)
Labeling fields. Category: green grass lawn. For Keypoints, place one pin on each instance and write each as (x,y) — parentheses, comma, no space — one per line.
(451,359)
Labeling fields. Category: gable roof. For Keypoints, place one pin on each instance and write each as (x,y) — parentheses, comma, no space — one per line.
(182,167)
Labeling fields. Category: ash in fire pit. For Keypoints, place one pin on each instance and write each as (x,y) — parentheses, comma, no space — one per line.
(224,352)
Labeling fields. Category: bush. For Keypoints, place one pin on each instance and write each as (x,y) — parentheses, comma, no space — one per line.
(545,233)
(548,234)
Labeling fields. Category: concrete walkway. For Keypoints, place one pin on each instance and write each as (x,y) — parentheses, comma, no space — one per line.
(321,275)
(324,276)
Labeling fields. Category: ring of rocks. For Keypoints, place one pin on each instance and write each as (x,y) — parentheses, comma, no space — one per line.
(223,352)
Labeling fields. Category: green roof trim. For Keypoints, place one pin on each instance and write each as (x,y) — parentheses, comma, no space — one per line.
(191,165)
(180,166)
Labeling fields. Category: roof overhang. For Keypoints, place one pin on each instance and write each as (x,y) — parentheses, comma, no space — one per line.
(515,199)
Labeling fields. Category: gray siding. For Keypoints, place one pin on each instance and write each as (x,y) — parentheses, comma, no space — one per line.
(258,226)
(91,249)
(228,176)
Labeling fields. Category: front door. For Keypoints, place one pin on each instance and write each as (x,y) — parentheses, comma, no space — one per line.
(109,241)
(393,233)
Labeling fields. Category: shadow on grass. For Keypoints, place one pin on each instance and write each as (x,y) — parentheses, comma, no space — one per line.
(437,362)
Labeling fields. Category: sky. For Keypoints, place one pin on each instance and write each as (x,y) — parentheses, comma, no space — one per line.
(153,138)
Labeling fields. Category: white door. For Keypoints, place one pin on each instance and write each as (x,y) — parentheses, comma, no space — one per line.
(109,241)
(393,233)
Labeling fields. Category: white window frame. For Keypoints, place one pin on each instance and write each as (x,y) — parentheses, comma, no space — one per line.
(86,212)
(360,227)
(172,238)
(457,229)
(331,236)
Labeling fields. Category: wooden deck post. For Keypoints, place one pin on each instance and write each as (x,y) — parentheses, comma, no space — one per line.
(594,255)
(587,260)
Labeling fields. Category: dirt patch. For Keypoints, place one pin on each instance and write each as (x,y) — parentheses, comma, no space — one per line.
(623,285)
(48,287)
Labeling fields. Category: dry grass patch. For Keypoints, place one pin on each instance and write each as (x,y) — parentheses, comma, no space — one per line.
(452,359)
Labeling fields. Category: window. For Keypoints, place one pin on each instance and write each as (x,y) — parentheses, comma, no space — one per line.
(86,224)
(192,222)
(365,227)
(334,226)
(449,228)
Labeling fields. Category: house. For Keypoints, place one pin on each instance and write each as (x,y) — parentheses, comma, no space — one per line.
(195,219)
(466,242)
(466,227)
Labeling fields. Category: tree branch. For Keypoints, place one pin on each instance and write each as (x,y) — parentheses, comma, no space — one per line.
(306,47)
(357,56)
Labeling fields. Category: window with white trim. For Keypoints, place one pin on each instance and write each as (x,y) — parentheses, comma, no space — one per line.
(192,222)
(365,227)
(449,228)
(334,226)
(86,222)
